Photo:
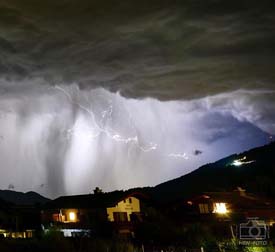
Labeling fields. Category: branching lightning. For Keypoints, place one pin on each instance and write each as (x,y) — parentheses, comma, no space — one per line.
(179,155)
(97,130)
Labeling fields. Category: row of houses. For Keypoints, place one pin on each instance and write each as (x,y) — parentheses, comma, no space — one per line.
(81,215)
(119,213)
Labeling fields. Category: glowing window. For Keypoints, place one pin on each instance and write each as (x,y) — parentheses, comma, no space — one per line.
(72,216)
(203,208)
(220,208)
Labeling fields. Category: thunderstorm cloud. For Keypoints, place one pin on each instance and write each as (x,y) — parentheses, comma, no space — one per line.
(118,94)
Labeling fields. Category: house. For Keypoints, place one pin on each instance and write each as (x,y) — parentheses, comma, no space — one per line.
(4,218)
(91,214)
(227,206)
(18,221)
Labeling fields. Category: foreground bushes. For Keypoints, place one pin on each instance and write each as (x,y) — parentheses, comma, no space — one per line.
(61,244)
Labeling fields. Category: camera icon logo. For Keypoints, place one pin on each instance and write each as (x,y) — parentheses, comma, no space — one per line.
(254,230)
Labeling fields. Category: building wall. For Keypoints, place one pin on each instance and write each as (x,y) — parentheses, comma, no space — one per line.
(128,206)
(22,234)
(3,219)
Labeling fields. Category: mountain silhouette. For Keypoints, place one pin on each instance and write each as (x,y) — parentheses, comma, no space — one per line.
(253,170)
(20,198)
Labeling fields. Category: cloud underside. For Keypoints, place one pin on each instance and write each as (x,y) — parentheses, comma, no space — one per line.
(180,50)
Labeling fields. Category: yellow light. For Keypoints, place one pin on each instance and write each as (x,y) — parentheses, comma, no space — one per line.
(72,216)
(220,208)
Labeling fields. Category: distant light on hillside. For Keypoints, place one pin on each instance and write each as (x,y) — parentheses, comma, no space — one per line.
(237,163)
(242,161)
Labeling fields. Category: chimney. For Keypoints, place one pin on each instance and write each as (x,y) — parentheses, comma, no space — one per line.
(240,191)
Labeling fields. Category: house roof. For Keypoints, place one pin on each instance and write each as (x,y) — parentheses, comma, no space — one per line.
(85,201)
(236,199)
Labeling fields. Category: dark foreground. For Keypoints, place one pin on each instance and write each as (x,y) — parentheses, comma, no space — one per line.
(61,244)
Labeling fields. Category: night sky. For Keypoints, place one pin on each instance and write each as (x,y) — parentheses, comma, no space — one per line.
(120,94)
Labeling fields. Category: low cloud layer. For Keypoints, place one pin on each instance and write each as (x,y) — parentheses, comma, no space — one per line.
(167,50)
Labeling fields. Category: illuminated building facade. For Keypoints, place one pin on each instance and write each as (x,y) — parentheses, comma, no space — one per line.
(82,214)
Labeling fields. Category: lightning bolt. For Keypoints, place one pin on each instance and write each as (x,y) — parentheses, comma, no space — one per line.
(110,132)
(179,155)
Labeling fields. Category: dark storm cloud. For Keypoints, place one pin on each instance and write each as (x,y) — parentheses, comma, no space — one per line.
(180,49)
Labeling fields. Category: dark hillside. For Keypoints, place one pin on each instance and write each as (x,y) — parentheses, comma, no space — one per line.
(256,174)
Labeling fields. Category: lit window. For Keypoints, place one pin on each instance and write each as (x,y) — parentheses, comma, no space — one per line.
(203,208)
(72,216)
(220,208)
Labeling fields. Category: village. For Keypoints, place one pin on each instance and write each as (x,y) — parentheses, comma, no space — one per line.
(136,218)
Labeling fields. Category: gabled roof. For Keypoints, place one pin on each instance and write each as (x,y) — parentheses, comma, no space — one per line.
(236,199)
(86,201)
